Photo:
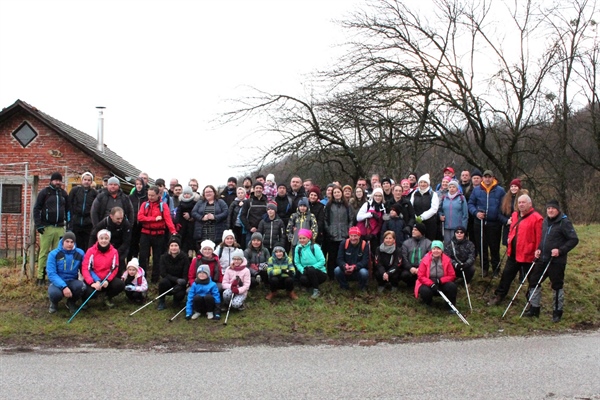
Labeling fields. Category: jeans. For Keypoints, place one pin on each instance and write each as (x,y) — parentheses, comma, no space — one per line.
(56,295)
(360,275)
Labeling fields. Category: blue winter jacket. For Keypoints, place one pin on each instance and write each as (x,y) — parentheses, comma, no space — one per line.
(455,210)
(64,265)
(199,289)
(488,201)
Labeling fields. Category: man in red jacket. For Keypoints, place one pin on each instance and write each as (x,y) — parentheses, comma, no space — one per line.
(154,217)
(524,239)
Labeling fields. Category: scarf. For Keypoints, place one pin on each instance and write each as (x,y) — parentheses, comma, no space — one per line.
(452,196)
(387,249)
(104,249)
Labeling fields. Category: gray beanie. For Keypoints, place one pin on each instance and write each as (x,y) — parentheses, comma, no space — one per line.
(257,235)
(203,268)
(68,235)
(114,179)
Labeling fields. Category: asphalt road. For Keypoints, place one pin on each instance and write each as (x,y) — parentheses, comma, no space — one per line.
(555,367)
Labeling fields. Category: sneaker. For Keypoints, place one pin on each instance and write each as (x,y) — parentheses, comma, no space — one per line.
(380,289)
(315,294)
(241,308)
(270,296)
(196,315)
(217,317)
(71,306)
(161,305)
(258,279)
(108,303)
(53,308)
(210,315)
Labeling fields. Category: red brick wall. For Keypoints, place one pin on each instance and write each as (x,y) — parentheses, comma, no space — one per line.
(41,164)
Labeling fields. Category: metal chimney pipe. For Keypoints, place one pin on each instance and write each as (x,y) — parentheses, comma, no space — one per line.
(100,145)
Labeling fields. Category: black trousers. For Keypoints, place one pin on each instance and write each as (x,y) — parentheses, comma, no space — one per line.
(556,273)
(408,278)
(204,304)
(332,253)
(178,292)
(393,279)
(492,233)
(511,269)
(114,287)
(156,243)
(134,246)
(426,293)
(82,237)
(278,282)
(312,277)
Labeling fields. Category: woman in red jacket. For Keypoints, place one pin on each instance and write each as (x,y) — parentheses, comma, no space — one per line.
(102,260)
(435,274)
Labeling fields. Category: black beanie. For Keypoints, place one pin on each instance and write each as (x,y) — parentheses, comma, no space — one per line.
(56,176)
(554,204)
(421,228)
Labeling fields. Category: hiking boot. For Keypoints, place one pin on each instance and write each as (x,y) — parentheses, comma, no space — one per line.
(241,308)
(71,306)
(161,304)
(108,303)
(40,282)
(532,312)
(557,315)
(494,301)
(209,315)
(196,315)
(270,296)
(53,308)
(293,295)
(217,317)
(315,294)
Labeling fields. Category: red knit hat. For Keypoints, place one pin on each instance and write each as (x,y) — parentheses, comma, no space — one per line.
(516,182)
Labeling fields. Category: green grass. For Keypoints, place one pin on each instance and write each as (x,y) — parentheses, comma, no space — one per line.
(336,318)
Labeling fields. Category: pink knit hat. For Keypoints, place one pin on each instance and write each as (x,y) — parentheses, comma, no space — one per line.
(305,232)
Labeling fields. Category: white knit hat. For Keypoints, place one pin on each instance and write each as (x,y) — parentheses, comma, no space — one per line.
(424,178)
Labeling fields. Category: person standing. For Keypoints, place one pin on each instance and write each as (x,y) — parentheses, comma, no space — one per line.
(484,206)
(523,240)
(155,219)
(253,211)
(80,203)
(558,239)
(50,213)
(426,203)
(210,216)
(109,198)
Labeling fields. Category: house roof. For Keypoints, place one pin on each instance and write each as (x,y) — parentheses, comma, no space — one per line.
(86,143)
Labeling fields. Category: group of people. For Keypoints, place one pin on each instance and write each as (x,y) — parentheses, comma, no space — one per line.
(212,247)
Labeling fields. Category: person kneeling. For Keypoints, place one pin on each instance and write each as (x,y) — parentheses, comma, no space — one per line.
(281,273)
(63,267)
(353,261)
(236,281)
(435,275)
(136,286)
(203,296)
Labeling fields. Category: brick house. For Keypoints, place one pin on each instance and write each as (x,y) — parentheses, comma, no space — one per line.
(33,146)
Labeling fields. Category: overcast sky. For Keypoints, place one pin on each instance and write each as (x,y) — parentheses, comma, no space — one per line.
(163,70)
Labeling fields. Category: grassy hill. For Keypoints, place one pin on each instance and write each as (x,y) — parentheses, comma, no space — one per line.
(335,318)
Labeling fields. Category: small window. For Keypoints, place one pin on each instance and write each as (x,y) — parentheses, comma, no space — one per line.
(25,134)
(11,199)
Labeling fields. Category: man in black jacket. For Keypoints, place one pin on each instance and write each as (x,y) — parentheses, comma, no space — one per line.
(80,203)
(120,230)
(558,238)
(50,213)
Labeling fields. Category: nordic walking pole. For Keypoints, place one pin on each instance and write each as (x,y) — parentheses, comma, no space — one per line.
(519,288)
(95,290)
(481,248)
(175,316)
(463,319)
(467,289)
(229,308)
(535,288)
(151,301)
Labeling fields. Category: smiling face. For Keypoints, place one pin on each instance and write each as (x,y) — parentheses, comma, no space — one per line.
(436,252)
(389,240)
(423,185)
(312,197)
(104,240)
(337,193)
(303,240)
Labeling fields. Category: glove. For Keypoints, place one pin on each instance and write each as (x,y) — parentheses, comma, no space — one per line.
(41,230)
(262,267)
(235,290)
(460,266)
(188,317)
(438,282)
(217,317)
(181,282)
(391,271)
(375,216)
(239,281)
(130,288)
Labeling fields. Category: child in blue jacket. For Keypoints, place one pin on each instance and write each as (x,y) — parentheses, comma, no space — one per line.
(203,296)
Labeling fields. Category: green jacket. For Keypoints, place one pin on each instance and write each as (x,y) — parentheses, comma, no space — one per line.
(309,255)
